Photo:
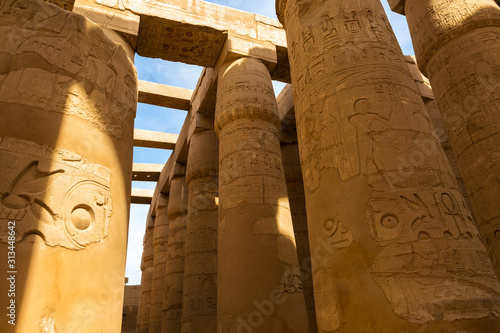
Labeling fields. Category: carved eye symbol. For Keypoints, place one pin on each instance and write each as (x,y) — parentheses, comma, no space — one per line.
(389,221)
(82,217)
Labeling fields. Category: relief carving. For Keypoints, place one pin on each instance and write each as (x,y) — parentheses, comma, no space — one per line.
(73,216)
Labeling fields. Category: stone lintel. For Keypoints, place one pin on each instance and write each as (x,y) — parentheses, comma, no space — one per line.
(398,6)
(164,95)
(152,139)
(141,196)
(122,21)
(423,84)
(146,172)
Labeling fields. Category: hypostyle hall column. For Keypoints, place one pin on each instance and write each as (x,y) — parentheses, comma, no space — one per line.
(199,311)
(67,106)
(393,245)
(147,266)
(296,196)
(457,45)
(259,280)
(174,271)
(160,245)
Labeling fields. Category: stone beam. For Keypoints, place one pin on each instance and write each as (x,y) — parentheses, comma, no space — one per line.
(152,139)
(142,197)
(146,172)
(163,95)
(398,6)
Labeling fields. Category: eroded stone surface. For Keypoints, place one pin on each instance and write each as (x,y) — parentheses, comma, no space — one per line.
(388,226)
(160,244)
(460,56)
(67,104)
(174,273)
(199,312)
(259,279)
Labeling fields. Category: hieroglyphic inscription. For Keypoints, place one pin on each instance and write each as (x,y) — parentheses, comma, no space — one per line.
(90,78)
(73,216)
(175,42)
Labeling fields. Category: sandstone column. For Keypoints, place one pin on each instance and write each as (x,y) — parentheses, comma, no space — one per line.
(67,105)
(199,311)
(174,272)
(160,244)
(393,244)
(457,45)
(147,267)
(296,196)
(259,286)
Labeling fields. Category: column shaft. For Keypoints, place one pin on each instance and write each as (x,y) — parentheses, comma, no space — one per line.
(146,280)
(259,279)
(457,44)
(199,312)
(388,225)
(67,105)
(296,195)
(160,244)
(174,270)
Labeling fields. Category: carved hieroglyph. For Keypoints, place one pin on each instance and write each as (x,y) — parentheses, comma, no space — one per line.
(295,188)
(199,311)
(259,279)
(174,271)
(160,244)
(387,225)
(457,44)
(67,104)
(78,209)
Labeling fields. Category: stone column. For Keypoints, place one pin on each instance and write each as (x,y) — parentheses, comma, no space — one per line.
(296,196)
(160,244)
(67,105)
(259,279)
(457,45)
(390,235)
(147,267)
(199,312)
(174,272)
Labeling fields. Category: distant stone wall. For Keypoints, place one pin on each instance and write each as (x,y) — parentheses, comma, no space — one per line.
(130,307)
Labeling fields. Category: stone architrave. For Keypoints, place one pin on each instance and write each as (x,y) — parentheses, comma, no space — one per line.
(393,244)
(199,311)
(457,45)
(174,270)
(67,106)
(147,266)
(259,285)
(296,196)
(160,245)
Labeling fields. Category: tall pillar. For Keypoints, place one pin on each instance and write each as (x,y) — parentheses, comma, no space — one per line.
(393,244)
(259,286)
(174,271)
(160,245)
(296,196)
(199,311)
(147,266)
(457,45)
(67,106)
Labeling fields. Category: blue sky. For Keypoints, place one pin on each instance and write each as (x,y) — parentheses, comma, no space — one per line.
(170,121)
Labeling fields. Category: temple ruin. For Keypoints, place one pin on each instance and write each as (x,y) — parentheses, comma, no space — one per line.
(364,198)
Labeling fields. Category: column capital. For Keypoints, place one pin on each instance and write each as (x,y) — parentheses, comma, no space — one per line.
(397,6)
(280,10)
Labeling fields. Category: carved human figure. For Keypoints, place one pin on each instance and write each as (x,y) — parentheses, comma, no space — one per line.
(388,228)
(259,285)
(457,47)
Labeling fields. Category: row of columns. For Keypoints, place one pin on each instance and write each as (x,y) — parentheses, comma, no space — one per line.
(388,242)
